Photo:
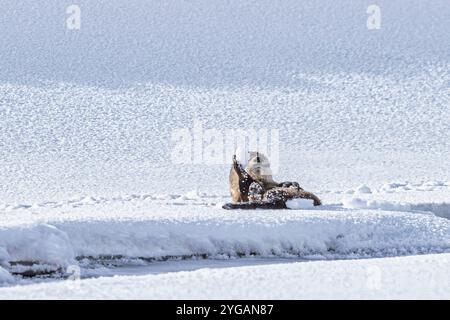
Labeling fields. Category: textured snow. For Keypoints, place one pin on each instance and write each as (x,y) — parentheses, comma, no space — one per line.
(4,257)
(363,189)
(60,141)
(86,119)
(91,112)
(413,277)
(42,242)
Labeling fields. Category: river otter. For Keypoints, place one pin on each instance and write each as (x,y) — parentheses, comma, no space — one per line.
(255,188)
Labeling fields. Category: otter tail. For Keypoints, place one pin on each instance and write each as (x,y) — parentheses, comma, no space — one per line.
(311,196)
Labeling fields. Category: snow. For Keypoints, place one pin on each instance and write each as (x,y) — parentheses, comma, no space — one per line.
(241,156)
(300,204)
(87,117)
(204,43)
(145,229)
(413,277)
(353,106)
(56,146)
(5,277)
(363,189)
(41,242)
(4,257)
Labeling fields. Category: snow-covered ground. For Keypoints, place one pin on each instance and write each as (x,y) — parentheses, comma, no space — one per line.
(88,187)
(104,237)
(414,277)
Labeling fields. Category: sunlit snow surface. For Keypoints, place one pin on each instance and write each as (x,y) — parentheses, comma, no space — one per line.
(86,118)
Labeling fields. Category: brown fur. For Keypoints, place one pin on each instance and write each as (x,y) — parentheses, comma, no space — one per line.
(258,168)
(283,194)
(236,194)
(239,182)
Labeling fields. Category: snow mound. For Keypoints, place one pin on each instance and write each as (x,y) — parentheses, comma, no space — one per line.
(4,257)
(300,204)
(39,243)
(363,189)
(413,277)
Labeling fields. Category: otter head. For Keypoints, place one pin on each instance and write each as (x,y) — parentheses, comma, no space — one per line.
(258,167)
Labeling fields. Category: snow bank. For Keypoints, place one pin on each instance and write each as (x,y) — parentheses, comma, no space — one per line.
(310,234)
(329,233)
(38,243)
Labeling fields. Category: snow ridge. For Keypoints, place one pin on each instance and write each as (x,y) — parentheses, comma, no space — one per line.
(313,234)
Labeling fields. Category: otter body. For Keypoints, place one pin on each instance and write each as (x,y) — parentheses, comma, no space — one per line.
(254,187)
(283,194)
